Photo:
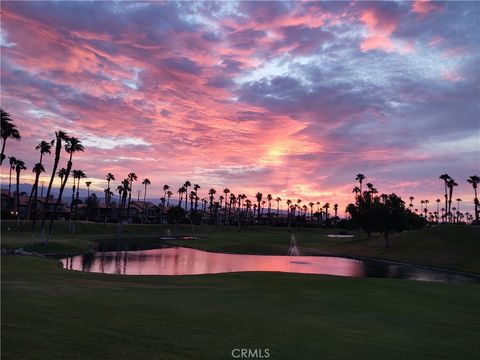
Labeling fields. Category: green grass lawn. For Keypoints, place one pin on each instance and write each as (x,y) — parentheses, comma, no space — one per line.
(453,246)
(51,313)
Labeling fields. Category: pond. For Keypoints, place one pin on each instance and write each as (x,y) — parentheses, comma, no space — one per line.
(185,261)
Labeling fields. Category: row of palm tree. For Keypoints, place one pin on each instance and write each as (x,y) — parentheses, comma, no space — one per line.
(450,214)
(231,204)
(71,146)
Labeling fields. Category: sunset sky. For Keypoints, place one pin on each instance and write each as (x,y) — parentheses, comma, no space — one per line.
(288,98)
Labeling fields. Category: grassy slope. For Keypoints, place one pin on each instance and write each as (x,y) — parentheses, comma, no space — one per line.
(51,313)
(455,247)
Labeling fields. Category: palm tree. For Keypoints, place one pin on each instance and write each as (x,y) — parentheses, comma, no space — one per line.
(131,178)
(371,189)
(475,180)
(335,208)
(60,136)
(259,196)
(8,130)
(233,200)
(120,194)
(269,199)
(195,188)
(123,190)
(72,202)
(445,178)
(88,183)
(145,182)
(78,174)
(108,193)
(211,194)
(326,207)
(191,197)
(72,146)
(165,189)
(44,148)
(311,204)
(186,185)
(319,213)
(360,178)
(289,204)
(169,195)
(411,202)
(19,166)
(12,161)
(61,174)
(37,169)
(278,199)
(458,200)
(180,191)
(226,191)
(438,206)
(451,184)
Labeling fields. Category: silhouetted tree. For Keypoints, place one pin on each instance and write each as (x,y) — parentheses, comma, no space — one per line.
(19,166)
(475,180)
(8,131)
(360,178)
(12,162)
(445,178)
(145,182)
(451,184)
(60,136)
(72,146)
(131,178)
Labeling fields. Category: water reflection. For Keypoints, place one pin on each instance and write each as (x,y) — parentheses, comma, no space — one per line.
(184,261)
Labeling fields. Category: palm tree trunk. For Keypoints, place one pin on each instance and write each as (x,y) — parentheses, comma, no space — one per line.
(476,205)
(59,199)
(446,201)
(3,150)
(30,198)
(71,205)
(58,149)
(129,201)
(450,203)
(18,198)
(34,189)
(10,182)
(34,217)
(76,206)
(144,196)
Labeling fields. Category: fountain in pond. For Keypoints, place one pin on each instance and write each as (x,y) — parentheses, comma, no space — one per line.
(293,251)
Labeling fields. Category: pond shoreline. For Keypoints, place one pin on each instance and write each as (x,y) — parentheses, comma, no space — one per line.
(353,257)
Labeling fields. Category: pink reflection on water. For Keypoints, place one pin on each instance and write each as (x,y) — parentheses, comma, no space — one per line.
(184,261)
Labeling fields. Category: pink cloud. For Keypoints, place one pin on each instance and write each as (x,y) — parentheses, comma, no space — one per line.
(380,28)
(425,7)
(452,76)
